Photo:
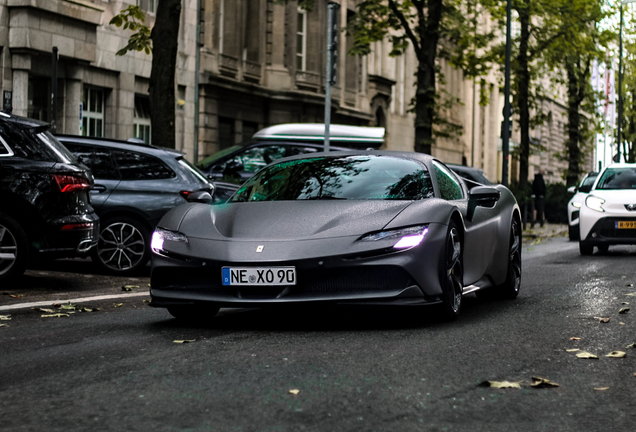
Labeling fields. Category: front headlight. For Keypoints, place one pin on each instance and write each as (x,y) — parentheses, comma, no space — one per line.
(406,237)
(576,204)
(595,203)
(160,235)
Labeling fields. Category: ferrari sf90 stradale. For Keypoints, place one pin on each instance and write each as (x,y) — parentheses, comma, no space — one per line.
(372,227)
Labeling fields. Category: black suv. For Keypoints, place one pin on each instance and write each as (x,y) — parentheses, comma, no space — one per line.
(135,185)
(44,197)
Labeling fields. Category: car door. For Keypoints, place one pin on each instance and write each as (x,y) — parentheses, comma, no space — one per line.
(100,161)
(481,229)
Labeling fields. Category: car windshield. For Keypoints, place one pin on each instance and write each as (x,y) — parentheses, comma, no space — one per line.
(589,180)
(339,178)
(205,163)
(618,178)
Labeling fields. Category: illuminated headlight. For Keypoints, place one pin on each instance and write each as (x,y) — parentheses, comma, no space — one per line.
(595,203)
(159,236)
(406,237)
(576,204)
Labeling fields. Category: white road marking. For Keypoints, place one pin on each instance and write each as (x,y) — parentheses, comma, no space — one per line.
(77,300)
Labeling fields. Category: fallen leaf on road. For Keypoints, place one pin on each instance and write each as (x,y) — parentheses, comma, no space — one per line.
(633,345)
(624,303)
(539,382)
(616,354)
(629,285)
(17,295)
(603,320)
(621,323)
(5,317)
(69,306)
(601,388)
(501,384)
(573,350)
(575,338)
(45,310)
(586,355)
(129,287)
(85,309)
(118,304)
(4,325)
(184,341)
(631,294)
(146,301)
(294,391)
(623,310)
(56,315)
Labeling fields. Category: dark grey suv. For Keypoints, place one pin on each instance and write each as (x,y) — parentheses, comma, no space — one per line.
(135,185)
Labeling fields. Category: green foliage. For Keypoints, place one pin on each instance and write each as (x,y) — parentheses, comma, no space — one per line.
(629,83)
(132,18)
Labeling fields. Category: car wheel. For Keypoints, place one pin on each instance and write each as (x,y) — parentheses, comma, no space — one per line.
(510,288)
(452,274)
(193,313)
(603,248)
(123,246)
(585,248)
(573,232)
(14,248)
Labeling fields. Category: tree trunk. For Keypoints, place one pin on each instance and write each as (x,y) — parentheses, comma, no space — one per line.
(165,41)
(426,76)
(522,78)
(574,123)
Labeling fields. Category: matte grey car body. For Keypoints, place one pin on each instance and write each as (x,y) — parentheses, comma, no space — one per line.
(342,249)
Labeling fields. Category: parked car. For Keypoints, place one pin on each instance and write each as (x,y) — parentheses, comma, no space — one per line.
(574,205)
(135,185)
(608,216)
(365,227)
(44,198)
(238,163)
(475,175)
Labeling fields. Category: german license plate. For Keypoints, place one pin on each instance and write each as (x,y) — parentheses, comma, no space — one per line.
(626,224)
(255,276)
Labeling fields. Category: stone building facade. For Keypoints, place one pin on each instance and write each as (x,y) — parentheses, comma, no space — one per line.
(262,62)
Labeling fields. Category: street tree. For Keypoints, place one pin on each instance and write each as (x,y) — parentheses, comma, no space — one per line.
(629,90)
(436,29)
(162,41)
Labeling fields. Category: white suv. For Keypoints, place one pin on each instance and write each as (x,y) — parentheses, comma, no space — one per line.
(608,214)
(574,206)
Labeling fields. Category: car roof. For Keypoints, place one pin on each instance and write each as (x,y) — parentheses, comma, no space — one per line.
(23,121)
(315,132)
(128,145)
(421,157)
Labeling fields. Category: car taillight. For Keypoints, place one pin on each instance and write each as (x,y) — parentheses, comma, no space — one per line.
(69,183)
(77,226)
(185,194)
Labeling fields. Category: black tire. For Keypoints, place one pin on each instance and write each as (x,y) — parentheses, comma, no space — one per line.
(510,288)
(603,249)
(14,248)
(585,248)
(192,313)
(452,274)
(123,247)
(573,232)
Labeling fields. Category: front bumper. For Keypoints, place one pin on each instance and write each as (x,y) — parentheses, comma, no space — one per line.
(407,277)
(605,232)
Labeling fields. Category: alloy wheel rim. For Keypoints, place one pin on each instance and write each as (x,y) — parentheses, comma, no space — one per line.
(8,250)
(121,246)
(453,268)
(515,255)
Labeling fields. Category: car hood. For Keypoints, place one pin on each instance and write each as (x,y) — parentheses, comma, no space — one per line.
(289,220)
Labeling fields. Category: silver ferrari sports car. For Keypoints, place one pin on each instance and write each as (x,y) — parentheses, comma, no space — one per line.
(360,227)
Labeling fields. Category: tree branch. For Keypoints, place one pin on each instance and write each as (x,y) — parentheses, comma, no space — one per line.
(407,27)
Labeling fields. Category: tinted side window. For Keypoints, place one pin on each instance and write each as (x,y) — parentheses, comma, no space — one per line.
(296,150)
(449,186)
(97,159)
(25,144)
(256,158)
(137,166)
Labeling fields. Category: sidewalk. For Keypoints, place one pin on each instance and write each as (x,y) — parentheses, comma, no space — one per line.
(545,231)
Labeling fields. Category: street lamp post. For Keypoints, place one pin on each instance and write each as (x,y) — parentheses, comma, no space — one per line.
(620,77)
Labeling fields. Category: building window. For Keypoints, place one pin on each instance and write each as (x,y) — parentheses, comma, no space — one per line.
(141,121)
(226,132)
(39,98)
(93,112)
(148,5)
(301,41)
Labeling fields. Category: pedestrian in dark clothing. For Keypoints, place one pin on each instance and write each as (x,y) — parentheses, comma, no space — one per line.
(539,191)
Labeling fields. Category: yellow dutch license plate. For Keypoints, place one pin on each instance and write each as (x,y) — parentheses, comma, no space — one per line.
(626,224)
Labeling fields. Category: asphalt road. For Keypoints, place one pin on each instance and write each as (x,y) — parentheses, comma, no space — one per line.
(355,369)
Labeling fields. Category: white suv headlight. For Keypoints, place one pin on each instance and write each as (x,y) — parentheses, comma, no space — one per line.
(595,203)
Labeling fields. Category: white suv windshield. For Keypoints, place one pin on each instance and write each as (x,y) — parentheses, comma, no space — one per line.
(618,178)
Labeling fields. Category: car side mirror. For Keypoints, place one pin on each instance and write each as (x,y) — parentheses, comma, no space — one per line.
(482,196)
(572,189)
(203,197)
